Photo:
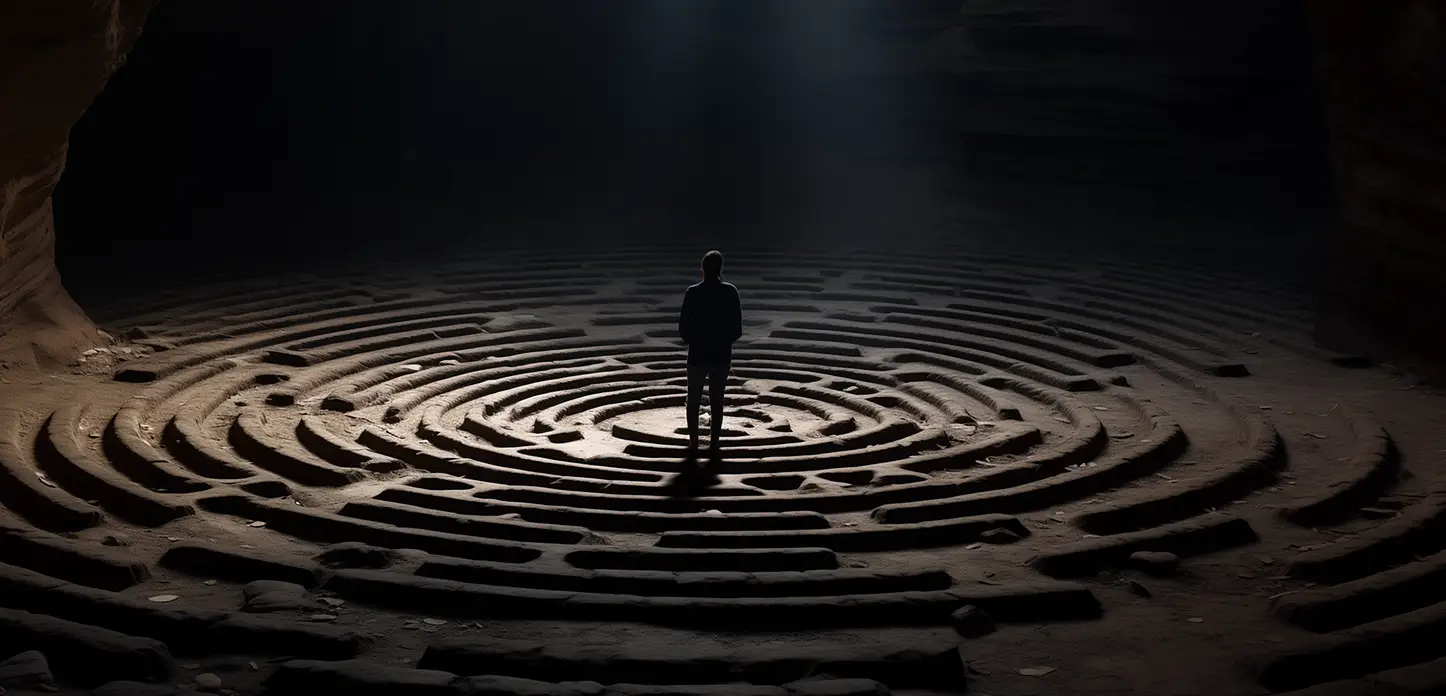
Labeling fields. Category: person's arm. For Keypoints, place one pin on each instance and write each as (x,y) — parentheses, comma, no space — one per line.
(737,327)
(685,318)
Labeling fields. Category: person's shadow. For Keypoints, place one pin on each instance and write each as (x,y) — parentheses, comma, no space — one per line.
(696,476)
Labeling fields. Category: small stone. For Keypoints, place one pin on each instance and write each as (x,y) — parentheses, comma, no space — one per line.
(257,588)
(266,596)
(1035,671)
(257,523)
(332,601)
(971,621)
(321,618)
(209,583)
(115,540)
(163,598)
(207,681)
(130,688)
(1195,619)
(435,622)
(1140,589)
(999,535)
(354,554)
(28,670)
(1159,563)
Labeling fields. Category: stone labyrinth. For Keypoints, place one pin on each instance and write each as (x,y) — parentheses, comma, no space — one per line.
(503,440)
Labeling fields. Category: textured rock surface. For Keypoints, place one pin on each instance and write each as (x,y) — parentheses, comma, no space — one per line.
(55,56)
(1382,68)
(1159,108)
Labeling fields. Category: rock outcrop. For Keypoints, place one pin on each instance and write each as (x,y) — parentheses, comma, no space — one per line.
(55,56)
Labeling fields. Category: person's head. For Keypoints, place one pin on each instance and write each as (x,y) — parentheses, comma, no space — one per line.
(712,265)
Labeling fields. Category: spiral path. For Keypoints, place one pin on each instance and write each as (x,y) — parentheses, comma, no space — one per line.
(501,438)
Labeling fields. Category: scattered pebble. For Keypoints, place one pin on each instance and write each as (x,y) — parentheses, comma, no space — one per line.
(435,622)
(209,583)
(971,621)
(1035,671)
(257,523)
(1139,589)
(164,598)
(319,618)
(1155,562)
(998,535)
(208,682)
(1195,619)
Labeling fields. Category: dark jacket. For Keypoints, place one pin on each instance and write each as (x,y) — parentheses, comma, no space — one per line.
(710,321)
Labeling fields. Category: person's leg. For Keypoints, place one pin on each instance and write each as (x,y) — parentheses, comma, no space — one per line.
(717,383)
(696,376)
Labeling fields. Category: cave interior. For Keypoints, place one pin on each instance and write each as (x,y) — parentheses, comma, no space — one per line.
(1087,348)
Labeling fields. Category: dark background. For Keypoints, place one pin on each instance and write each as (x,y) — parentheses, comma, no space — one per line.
(267,136)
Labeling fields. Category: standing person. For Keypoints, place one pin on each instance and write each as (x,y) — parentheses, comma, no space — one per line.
(710,321)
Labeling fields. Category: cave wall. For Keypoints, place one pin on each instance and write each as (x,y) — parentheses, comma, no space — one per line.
(1383,71)
(1181,110)
(1044,64)
(55,56)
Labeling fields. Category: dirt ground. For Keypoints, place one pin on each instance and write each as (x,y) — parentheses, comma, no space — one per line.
(1207,630)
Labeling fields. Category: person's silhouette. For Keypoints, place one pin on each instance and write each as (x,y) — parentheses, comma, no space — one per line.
(710,321)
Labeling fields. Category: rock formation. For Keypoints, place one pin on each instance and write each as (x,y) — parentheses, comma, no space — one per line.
(1382,68)
(55,56)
